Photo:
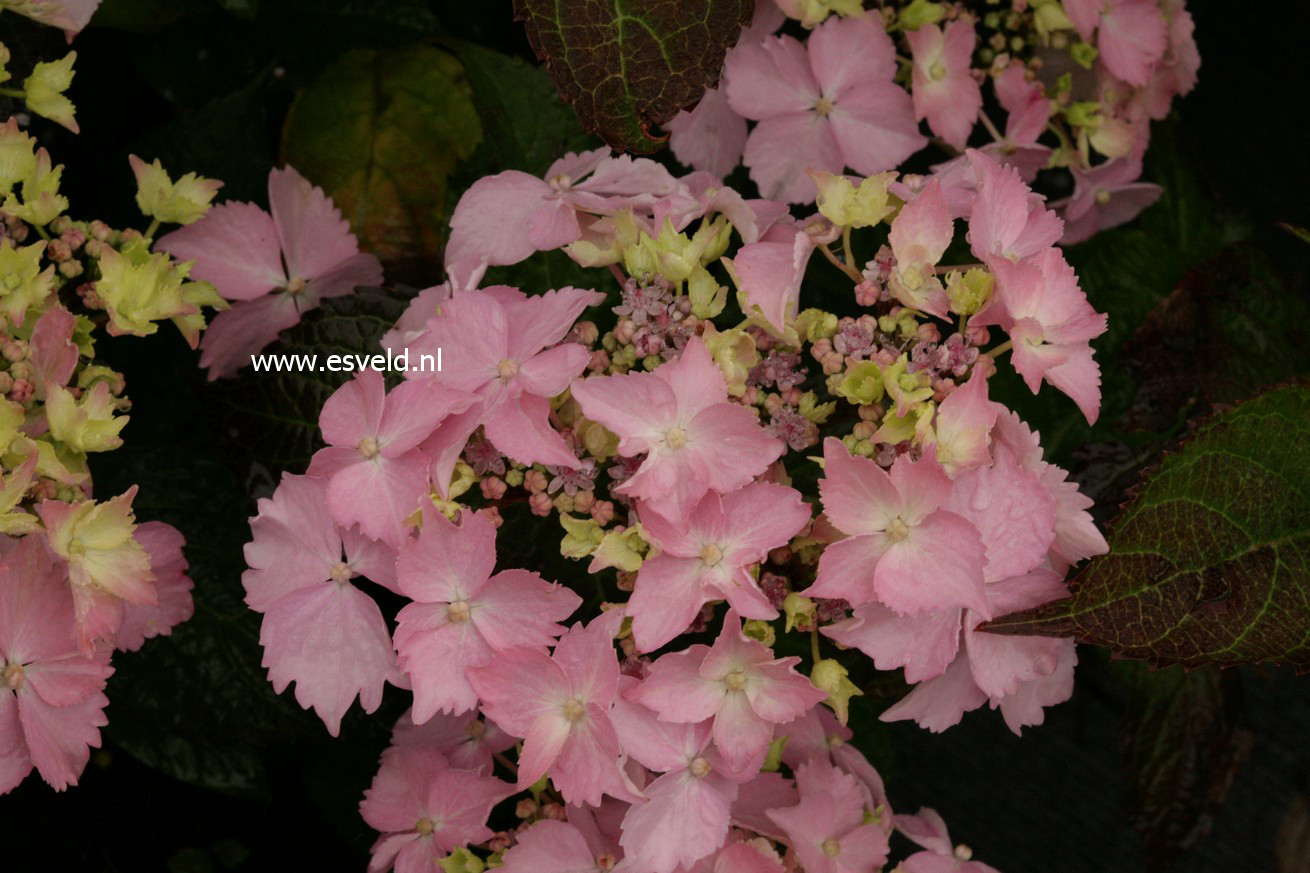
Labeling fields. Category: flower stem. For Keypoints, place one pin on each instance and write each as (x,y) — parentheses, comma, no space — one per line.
(814,644)
(150,231)
(991,128)
(836,262)
(1000,350)
(506,763)
(13,92)
(846,247)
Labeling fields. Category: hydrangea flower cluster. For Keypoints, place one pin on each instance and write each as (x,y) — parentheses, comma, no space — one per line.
(1077,81)
(79,577)
(666,419)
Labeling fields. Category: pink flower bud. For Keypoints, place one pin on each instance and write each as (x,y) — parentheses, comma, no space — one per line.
(493,488)
(977,336)
(534,481)
(540,504)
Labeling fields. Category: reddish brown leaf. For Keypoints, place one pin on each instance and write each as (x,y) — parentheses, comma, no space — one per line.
(1210,560)
(627,66)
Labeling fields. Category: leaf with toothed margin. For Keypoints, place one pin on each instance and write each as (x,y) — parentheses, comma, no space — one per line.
(627,66)
(1209,562)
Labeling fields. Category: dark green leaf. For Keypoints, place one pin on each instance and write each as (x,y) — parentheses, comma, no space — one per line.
(275,415)
(628,66)
(381,131)
(1183,741)
(1210,561)
(524,125)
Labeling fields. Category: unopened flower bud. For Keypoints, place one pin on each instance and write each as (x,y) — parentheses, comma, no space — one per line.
(830,676)
(800,612)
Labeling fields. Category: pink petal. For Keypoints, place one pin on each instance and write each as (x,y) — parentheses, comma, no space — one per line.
(874,127)
(354,411)
(782,147)
(657,745)
(924,644)
(15,762)
(521,429)
(847,53)
(1017,525)
(332,641)
(1133,37)
(315,238)
(769,78)
(447,563)
(769,273)
(518,686)
(244,330)
(164,544)
(941,702)
(636,406)
(847,569)
(728,440)
(740,734)
(516,607)
(541,320)
(674,688)
(778,693)
(711,136)
(378,494)
(685,819)
(492,220)
(665,600)
(235,247)
(60,739)
(295,542)
(858,495)
(549,847)
(939,566)
(434,652)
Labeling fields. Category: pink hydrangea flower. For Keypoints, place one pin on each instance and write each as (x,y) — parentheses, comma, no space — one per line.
(274,267)
(920,235)
(939,854)
(826,104)
(708,556)
(1008,220)
(738,683)
(902,548)
(505,218)
(1039,304)
(826,829)
(679,415)
(319,630)
(163,543)
(943,87)
(462,614)
(506,348)
(376,473)
(424,809)
(560,705)
(1131,35)
(468,741)
(769,273)
(687,813)
(51,696)
(1106,196)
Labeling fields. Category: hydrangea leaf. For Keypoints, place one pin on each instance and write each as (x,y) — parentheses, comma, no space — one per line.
(525,128)
(1209,562)
(1183,741)
(381,131)
(627,66)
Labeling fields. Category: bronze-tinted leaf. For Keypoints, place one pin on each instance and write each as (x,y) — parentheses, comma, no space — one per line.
(1210,560)
(627,66)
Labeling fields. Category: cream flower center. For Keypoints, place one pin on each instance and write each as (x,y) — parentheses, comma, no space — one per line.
(458,610)
(897,530)
(296,285)
(476,729)
(937,71)
(368,448)
(574,709)
(1102,196)
(340,572)
(736,680)
(507,369)
(675,437)
(700,767)
(14,676)
(424,826)
(823,107)
(831,847)
(711,554)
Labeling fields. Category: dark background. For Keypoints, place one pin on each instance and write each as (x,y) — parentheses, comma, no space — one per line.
(256,784)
